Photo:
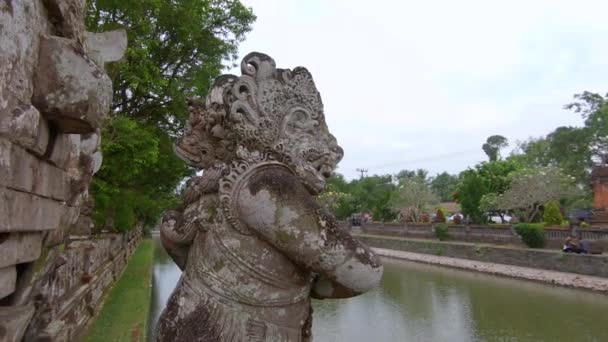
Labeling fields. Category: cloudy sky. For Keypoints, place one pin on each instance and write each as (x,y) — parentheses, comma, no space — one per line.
(422,84)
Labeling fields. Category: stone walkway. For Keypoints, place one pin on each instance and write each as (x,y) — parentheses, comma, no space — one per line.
(551,277)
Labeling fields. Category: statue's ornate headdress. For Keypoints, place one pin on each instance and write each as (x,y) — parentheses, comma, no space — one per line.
(258,111)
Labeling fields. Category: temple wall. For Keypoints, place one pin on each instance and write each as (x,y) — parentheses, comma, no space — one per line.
(54,95)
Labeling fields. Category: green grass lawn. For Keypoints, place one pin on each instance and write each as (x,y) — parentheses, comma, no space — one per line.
(124,313)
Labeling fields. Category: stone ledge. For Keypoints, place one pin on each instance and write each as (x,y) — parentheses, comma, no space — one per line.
(593,265)
(26,127)
(551,277)
(14,320)
(19,248)
(24,212)
(20,170)
(72,91)
(8,280)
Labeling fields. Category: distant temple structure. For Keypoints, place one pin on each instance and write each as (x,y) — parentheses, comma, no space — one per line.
(599,185)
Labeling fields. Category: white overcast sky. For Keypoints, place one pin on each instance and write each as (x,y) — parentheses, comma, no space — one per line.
(422,84)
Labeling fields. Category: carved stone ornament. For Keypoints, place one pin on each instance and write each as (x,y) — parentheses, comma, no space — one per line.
(252,242)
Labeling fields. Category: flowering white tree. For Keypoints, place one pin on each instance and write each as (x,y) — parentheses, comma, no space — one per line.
(531,188)
(412,198)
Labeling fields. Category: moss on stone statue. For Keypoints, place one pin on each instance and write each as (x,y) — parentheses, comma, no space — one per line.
(124,313)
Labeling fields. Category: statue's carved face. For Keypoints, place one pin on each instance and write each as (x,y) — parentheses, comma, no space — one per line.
(264,110)
(314,152)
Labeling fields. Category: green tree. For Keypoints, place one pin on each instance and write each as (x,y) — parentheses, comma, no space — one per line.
(137,179)
(493,145)
(444,185)
(551,214)
(593,108)
(413,198)
(530,188)
(175,50)
(485,179)
(469,192)
(373,194)
(566,147)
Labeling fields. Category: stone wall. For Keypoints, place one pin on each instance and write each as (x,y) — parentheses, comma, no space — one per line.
(54,95)
(495,234)
(594,265)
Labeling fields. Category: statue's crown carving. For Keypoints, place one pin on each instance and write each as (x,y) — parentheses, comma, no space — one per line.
(257,111)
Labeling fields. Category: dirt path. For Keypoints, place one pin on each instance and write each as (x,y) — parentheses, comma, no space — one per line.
(552,277)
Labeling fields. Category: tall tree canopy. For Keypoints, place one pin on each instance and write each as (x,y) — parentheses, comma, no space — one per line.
(566,147)
(444,185)
(175,50)
(594,109)
(487,179)
(493,145)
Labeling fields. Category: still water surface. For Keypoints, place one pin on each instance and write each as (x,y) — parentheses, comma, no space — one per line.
(417,302)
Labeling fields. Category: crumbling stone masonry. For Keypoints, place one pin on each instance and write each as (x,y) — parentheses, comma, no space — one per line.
(54,95)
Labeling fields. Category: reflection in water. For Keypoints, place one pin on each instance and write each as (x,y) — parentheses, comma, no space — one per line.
(165,277)
(419,302)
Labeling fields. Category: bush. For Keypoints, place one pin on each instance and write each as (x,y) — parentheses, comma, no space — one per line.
(532,234)
(552,216)
(457,219)
(440,216)
(426,218)
(441,231)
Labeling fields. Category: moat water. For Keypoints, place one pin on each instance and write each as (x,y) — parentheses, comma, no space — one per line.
(417,302)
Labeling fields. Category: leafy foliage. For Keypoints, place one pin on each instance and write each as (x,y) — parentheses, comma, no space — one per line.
(175,49)
(441,231)
(532,187)
(566,147)
(551,215)
(532,234)
(444,185)
(487,179)
(493,145)
(137,179)
(593,108)
(439,216)
(413,198)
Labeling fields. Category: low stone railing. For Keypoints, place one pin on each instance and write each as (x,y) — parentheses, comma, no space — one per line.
(72,278)
(498,234)
(593,265)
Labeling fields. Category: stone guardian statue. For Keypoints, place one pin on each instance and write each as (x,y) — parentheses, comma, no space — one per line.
(253,244)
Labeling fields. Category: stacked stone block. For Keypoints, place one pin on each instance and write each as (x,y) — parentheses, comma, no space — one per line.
(54,96)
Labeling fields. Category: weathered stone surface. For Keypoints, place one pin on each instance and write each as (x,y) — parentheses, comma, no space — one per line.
(25,126)
(89,143)
(66,151)
(253,243)
(106,46)
(70,89)
(14,320)
(50,89)
(24,212)
(19,39)
(67,220)
(24,172)
(66,16)
(18,248)
(8,280)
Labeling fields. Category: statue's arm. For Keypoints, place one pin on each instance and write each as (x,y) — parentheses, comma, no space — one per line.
(279,208)
(176,235)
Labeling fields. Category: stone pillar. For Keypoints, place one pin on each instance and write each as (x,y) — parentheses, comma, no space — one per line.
(53,98)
